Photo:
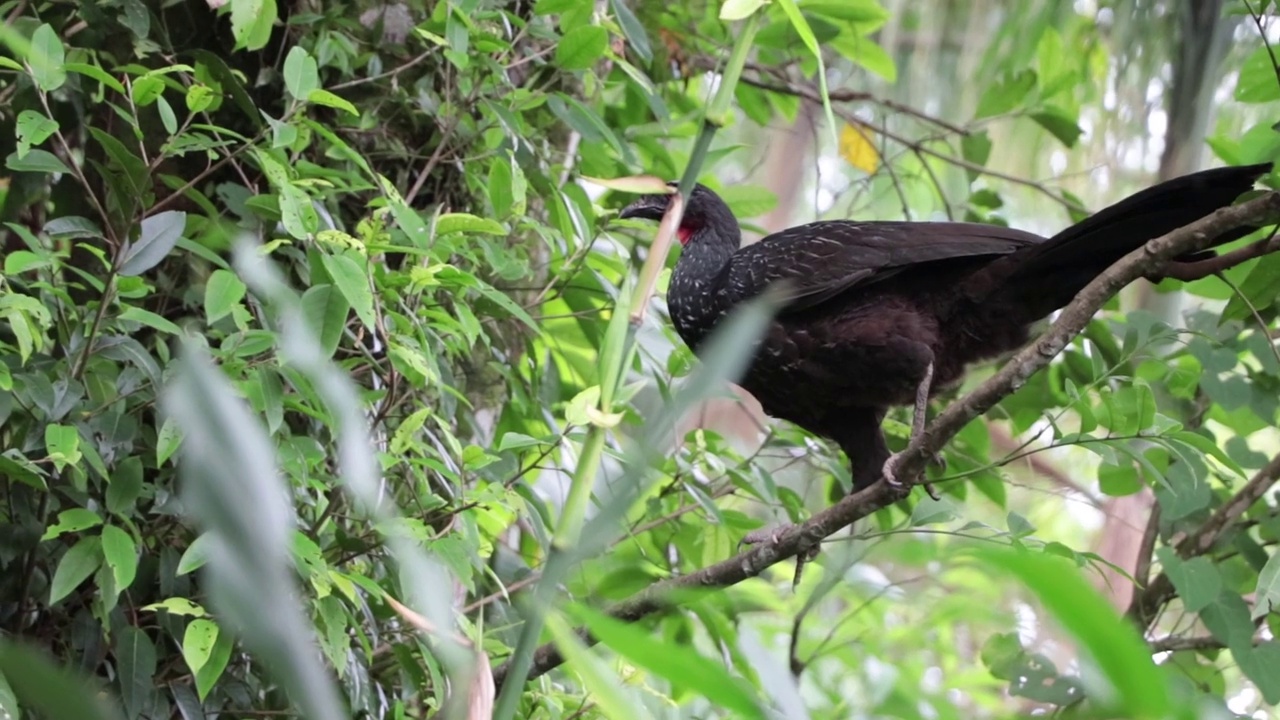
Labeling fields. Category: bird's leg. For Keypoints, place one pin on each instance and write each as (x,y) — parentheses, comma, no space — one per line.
(919,413)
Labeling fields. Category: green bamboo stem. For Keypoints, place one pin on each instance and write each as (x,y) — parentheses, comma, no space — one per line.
(619,348)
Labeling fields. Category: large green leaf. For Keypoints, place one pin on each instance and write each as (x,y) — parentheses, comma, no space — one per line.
(1114,646)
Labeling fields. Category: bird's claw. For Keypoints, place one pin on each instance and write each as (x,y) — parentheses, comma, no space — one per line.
(890,473)
(773,535)
(759,535)
(939,461)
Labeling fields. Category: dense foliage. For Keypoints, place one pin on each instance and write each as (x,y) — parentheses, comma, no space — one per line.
(315,334)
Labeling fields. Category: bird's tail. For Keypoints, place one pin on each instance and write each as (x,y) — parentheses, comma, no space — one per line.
(1046,276)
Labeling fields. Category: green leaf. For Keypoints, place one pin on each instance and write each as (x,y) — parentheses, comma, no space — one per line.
(738,9)
(222,293)
(748,201)
(551,7)
(215,665)
(147,89)
(1002,653)
(150,319)
(328,99)
(36,160)
(1260,288)
(136,669)
(1006,94)
(1119,480)
(466,223)
(195,556)
(121,554)
(47,59)
(160,233)
(13,464)
(1059,124)
(34,128)
(500,194)
(296,211)
(1019,526)
(976,147)
(632,30)
(581,47)
(76,565)
(198,641)
(72,227)
(679,663)
(96,73)
(1227,618)
(167,117)
(20,261)
(806,34)
(1267,595)
(231,484)
(167,441)
(63,444)
(8,700)
(177,606)
(72,520)
(326,308)
(352,281)
(406,217)
(199,98)
(1197,580)
(125,485)
(612,699)
(1262,665)
(49,690)
(1113,644)
(867,53)
(301,75)
(136,18)
(251,22)
(1257,81)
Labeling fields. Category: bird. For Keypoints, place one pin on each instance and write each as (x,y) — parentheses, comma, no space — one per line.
(879,314)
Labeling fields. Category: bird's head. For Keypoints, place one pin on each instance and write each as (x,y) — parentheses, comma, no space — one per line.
(706,216)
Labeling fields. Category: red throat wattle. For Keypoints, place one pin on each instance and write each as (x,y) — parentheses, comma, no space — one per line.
(683,234)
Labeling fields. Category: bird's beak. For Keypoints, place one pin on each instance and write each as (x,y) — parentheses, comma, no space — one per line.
(648,207)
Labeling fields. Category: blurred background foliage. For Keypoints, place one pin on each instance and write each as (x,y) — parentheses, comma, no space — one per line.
(343,263)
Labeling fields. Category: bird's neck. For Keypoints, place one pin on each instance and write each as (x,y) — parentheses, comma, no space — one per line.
(696,297)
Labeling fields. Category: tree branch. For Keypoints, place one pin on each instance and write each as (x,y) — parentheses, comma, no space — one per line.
(1146,605)
(1195,270)
(793,540)
(919,147)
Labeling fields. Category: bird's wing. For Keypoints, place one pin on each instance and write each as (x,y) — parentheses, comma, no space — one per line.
(824,259)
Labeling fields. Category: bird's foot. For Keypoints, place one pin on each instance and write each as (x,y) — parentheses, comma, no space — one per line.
(759,535)
(890,473)
(773,535)
(939,461)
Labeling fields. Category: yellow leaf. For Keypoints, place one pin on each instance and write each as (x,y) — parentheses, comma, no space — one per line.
(857,150)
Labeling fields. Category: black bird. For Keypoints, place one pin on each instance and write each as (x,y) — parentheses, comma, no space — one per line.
(886,313)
